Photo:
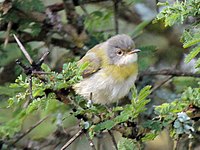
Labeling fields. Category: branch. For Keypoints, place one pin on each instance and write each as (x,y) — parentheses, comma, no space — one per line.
(29,130)
(28,38)
(116,4)
(60,6)
(72,139)
(161,83)
(90,141)
(23,50)
(168,72)
(113,139)
(9,26)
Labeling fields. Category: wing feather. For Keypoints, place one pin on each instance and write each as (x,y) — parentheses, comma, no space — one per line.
(94,62)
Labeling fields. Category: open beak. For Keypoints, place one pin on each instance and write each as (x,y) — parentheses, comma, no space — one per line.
(134,51)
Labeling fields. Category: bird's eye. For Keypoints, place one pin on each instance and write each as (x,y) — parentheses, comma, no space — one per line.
(120,52)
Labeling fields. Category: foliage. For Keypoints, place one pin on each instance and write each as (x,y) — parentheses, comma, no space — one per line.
(178,13)
(44,98)
(127,144)
(51,93)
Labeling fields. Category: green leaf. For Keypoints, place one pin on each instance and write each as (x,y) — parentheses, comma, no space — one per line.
(144,93)
(108,124)
(191,42)
(10,53)
(38,92)
(149,137)
(153,125)
(162,4)
(139,28)
(124,115)
(127,144)
(192,54)
(45,67)
(197,65)
(61,85)
(29,5)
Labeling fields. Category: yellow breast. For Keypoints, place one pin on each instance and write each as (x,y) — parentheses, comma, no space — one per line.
(121,73)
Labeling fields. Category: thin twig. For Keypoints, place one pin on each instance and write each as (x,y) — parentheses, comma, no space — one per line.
(43,57)
(116,2)
(84,10)
(7,33)
(168,72)
(40,72)
(72,139)
(30,91)
(30,88)
(113,139)
(99,143)
(157,7)
(190,145)
(175,146)
(104,30)
(29,130)
(90,141)
(23,49)
(60,6)
(161,83)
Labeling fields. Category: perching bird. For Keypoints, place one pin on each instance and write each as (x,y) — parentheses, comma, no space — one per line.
(111,72)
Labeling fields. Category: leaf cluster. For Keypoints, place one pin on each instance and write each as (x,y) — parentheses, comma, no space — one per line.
(45,96)
(178,13)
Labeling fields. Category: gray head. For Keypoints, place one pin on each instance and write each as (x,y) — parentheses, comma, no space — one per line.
(121,50)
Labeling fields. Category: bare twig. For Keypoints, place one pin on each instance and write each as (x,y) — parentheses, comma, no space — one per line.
(116,2)
(23,49)
(41,72)
(168,72)
(30,91)
(113,139)
(60,6)
(161,83)
(190,145)
(105,30)
(90,141)
(29,130)
(72,139)
(176,142)
(157,7)
(43,58)
(70,11)
(7,33)
(84,10)
(30,88)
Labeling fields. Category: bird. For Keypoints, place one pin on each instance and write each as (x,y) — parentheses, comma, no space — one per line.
(111,70)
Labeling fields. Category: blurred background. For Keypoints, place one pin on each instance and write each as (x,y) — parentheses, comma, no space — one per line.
(68,29)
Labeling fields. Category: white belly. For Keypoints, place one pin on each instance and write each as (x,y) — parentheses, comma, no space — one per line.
(105,90)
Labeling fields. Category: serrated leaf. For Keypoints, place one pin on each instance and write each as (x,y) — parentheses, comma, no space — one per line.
(144,93)
(34,105)
(197,65)
(192,54)
(45,67)
(191,42)
(61,85)
(127,144)
(38,92)
(162,4)
(29,5)
(149,137)
(108,124)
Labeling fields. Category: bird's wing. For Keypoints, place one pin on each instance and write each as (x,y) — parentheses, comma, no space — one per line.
(93,61)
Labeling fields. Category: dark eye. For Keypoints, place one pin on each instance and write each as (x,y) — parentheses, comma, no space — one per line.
(120,52)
